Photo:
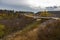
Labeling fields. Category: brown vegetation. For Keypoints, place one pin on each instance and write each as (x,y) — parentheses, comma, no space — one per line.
(49,30)
(16,26)
(13,21)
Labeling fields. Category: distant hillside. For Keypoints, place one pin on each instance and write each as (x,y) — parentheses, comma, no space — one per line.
(56,13)
(12,11)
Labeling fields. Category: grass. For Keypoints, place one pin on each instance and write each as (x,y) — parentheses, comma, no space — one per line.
(1,30)
(23,34)
(30,27)
(27,33)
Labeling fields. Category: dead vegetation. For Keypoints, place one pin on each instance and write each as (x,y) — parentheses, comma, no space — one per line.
(49,30)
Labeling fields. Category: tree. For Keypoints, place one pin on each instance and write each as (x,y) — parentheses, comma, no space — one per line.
(45,14)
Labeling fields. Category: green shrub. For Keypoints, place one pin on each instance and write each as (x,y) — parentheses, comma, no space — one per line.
(1,17)
(1,30)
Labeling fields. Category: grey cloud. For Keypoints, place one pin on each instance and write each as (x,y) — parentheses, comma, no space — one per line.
(19,8)
(20,5)
(15,2)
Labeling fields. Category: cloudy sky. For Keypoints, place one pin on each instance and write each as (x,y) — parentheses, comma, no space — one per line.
(28,5)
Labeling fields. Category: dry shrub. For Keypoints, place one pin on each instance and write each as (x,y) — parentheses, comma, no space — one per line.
(49,30)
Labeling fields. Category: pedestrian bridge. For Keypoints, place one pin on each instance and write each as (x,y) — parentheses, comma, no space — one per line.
(37,17)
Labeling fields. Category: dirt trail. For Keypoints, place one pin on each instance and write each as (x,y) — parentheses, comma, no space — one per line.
(27,34)
(31,35)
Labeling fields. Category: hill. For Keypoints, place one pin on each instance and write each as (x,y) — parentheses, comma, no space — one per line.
(22,26)
(48,30)
(55,13)
(12,21)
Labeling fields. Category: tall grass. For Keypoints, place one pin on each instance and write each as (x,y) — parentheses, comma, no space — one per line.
(30,27)
(1,30)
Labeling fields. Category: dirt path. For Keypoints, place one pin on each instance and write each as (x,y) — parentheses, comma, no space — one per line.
(28,35)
